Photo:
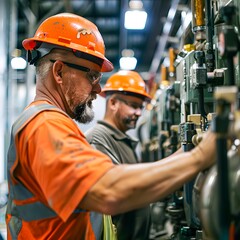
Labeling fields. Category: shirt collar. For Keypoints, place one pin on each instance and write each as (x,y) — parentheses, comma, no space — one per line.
(117,134)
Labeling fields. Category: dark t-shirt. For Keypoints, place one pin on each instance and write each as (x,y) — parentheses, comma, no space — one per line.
(133,225)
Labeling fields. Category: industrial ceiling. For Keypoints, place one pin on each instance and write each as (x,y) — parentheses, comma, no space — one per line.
(150,45)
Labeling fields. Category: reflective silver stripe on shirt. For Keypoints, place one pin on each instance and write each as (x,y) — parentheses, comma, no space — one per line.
(29,211)
(32,211)
(97,224)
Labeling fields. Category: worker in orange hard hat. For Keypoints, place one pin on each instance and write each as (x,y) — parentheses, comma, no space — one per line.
(126,96)
(129,88)
(60,187)
(48,158)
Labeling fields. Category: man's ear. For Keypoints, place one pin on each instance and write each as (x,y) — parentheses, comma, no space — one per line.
(57,71)
(113,103)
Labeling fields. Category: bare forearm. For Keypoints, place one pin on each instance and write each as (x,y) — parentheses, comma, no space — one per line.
(126,187)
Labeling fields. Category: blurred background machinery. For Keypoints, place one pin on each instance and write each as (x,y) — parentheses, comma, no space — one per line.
(199,89)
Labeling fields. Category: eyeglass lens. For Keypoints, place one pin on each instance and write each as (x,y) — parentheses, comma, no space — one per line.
(93,76)
(131,104)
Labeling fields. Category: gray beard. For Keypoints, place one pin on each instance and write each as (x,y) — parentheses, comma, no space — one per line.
(128,121)
(84,113)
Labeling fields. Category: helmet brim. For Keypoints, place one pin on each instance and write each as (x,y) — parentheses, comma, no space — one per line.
(32,43)
(145,96)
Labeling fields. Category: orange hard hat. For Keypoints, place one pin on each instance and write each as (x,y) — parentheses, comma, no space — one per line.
(127,82)
(70,31)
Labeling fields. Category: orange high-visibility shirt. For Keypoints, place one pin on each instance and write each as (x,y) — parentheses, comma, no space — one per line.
(58,166)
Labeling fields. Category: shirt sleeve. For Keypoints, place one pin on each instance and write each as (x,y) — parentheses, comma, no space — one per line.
(106,150)
(64,164)
(101,140)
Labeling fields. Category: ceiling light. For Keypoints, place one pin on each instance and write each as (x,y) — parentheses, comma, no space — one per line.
(135,17)
(18,63)
(128,61)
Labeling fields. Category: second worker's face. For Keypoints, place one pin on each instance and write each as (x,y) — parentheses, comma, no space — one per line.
(129,111)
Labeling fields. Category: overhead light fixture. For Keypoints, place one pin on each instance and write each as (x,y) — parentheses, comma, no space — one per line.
(17,61)
(135,17)
(128,61)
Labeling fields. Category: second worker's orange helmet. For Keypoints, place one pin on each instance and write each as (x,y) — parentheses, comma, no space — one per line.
(125,81)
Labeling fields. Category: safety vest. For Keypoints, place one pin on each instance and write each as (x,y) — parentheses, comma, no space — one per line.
(17,191)
(26,209)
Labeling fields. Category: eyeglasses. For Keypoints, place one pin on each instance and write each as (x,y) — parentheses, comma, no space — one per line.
(133,105)
(93,76)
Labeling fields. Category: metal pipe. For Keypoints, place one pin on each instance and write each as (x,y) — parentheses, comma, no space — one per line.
(210,58)
(223,187)
(225,98)
(198,15)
